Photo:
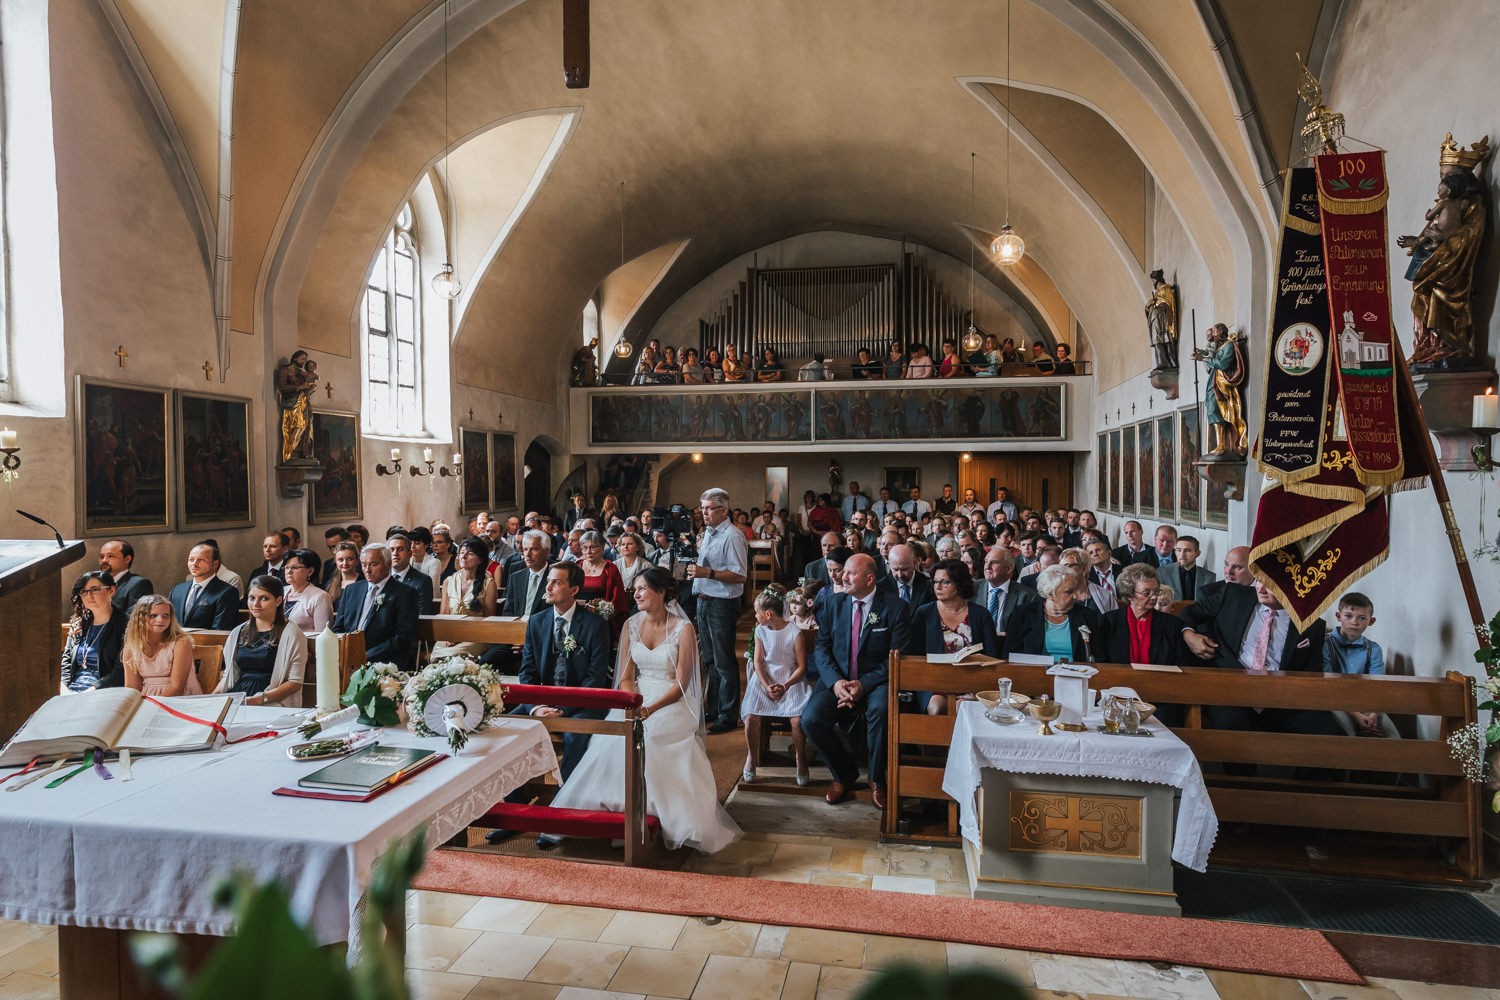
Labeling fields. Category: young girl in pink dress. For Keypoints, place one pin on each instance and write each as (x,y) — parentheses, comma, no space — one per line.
(777,684)
(157,654)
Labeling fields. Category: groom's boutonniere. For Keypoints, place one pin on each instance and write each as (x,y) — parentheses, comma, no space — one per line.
(379,600)
(873,619)
(569,645)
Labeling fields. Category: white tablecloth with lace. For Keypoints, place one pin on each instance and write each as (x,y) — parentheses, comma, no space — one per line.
(1163,760)
(146,854)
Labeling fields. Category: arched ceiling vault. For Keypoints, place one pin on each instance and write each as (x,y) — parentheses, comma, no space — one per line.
(734,126)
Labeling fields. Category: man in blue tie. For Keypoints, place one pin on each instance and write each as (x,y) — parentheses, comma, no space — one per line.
(856,632)
(998,593)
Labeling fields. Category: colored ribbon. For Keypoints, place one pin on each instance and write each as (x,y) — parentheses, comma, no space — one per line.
(28,767)
(88,762)
(216,727)
(56,766)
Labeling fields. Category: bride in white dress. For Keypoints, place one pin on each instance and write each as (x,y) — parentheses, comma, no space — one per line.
(659,658)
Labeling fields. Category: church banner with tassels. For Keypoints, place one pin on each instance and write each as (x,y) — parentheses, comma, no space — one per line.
(1334,441)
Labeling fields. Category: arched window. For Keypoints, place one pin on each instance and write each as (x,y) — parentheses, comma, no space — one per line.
(393,334)
(590,321)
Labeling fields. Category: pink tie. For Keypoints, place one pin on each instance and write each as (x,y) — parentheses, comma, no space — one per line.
(1262,641)
(859,624)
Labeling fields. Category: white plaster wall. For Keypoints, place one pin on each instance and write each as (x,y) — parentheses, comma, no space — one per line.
(1403,75)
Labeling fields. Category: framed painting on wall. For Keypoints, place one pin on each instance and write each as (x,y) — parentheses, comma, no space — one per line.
(475,447)
(336,497)
(1101,472)
(124,483)
(1127,473)
(1116,497)
(1189,485)
(900,479)
(213,461)
(1146,449)
(1166,467)
(503,472)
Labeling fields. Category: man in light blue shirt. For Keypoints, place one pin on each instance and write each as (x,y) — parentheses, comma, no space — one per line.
(719,576)
(855,501)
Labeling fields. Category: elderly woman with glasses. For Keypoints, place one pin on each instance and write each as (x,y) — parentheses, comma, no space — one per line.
(948,623)
(1141,633)
(1052,625)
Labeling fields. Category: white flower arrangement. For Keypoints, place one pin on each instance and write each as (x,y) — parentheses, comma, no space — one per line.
(569,645)
(442,673)
(375,689)
(599,606)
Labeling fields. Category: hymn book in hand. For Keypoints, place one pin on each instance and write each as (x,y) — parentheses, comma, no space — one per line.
(116,719)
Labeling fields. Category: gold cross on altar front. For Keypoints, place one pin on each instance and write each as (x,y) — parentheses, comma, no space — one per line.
(1074,825)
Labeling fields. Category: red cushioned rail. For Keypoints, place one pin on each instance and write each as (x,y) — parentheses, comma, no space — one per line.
(592,823)
(570,697)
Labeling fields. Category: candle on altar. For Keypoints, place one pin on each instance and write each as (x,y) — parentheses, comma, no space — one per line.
(1486,410)
(326,649)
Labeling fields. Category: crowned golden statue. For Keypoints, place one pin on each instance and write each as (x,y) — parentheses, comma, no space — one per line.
(296,380)
(1443,258)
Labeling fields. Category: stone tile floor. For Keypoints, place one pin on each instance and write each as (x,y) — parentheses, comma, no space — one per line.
(476,948)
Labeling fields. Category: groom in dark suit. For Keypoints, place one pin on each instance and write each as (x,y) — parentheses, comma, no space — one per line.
(381,607)
(856,632)
(566,647)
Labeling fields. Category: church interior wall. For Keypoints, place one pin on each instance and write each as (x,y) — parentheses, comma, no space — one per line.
(1372,77)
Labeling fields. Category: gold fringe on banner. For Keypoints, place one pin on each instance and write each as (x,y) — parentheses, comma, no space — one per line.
(1360,206)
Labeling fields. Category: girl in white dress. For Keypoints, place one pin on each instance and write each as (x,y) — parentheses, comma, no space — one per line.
(659,659)
(776,684)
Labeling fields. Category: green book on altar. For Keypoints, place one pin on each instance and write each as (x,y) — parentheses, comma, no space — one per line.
(370,768)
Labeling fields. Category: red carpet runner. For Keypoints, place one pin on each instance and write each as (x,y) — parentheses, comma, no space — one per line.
(1253,948)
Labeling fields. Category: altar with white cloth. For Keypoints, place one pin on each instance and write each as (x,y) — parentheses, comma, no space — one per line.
(1077,819)
(145,854)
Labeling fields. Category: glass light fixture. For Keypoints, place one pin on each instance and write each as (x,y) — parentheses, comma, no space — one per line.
(972,340)
(624,348)
(1008,248)
(446,283)
(697,456)
(965,457)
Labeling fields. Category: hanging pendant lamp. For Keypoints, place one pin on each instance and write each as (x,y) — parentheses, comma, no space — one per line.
(446,282)
(972,341)
(1008,248)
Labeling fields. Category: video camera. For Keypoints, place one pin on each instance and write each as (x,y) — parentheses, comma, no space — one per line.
(676,522)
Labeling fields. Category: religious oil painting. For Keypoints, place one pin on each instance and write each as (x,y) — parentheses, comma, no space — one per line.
(1116,490)
(123,432)
(503,472)
(335,498)
(1127,473)
(1166,467)
(1189,486)
(475,447)
(805,415)
(1146,433)
(213,434)
(1102,473)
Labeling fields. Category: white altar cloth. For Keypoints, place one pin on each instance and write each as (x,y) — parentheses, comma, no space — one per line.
(146,854)
(1163,760)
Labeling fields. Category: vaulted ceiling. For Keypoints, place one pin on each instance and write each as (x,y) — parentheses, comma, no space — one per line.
(301,128)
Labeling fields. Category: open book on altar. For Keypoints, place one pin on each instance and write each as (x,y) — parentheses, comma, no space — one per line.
(117,719)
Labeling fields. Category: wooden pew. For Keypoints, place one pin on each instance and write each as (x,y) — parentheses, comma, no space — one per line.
(640,832)
(464,628)
(1446,806)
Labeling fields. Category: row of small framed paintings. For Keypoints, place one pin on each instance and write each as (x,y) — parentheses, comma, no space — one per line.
(1146,469)
(489,481)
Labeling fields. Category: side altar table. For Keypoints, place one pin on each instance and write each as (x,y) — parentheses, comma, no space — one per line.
(98,857)
(1077,819)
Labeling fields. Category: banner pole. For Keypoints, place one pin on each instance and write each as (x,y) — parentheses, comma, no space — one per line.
(1408,392)
(1197,398)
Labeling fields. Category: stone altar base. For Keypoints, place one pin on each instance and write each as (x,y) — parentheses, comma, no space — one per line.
(1092,843)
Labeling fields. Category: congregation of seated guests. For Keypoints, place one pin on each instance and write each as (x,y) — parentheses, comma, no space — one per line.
(967,569)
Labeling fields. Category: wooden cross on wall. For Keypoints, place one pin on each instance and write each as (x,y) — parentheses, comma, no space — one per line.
(328,388)
(208,371)
(122,354)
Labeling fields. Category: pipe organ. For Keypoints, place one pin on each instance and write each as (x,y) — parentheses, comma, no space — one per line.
(835,310)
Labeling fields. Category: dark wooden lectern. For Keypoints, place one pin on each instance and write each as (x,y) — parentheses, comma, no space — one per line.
(29,589)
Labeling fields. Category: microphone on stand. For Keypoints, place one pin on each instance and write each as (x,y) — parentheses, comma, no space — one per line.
(55,533)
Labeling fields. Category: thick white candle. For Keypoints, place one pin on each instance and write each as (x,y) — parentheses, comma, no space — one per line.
(395,454)
(458,458)
(426,454)
(7,438)
(326,648)
(1486,410)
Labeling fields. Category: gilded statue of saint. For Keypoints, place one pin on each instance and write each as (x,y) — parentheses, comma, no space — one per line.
(1225,406)
(296,380)
(1443,258)
(1161,322)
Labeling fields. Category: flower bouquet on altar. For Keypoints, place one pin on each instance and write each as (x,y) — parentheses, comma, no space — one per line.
(375,689)
(452,697)
(601,607)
